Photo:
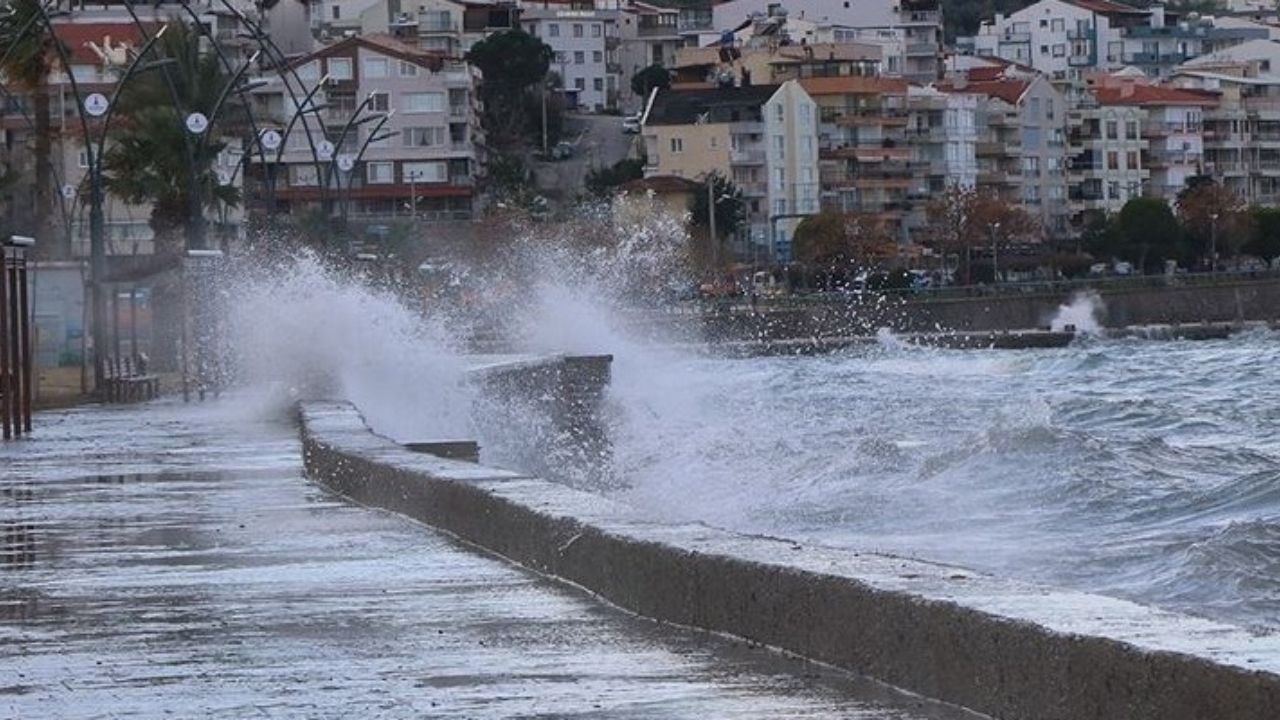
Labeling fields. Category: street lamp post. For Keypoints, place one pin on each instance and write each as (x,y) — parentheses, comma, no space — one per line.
(1213,243)
(995,270)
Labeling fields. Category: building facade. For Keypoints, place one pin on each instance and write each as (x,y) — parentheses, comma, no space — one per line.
(586,52)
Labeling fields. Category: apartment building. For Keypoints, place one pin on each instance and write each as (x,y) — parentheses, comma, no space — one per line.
(1067,39)
(1242,131)
(1021,148)
(763,137)
(1108,152)
(791,129)
(426,159)
(648,34)
(585,43)
(916,24)
(774,64)
(865,162)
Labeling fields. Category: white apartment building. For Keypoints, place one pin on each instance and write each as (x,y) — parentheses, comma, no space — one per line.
(586,52)
(648,34)
(791,147)
(916,24)
(1061,38)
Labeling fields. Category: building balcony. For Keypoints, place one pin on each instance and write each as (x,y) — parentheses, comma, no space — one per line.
(658,31)
(753,189)
(746,157)
(437,26)
(867,154)
(917,49)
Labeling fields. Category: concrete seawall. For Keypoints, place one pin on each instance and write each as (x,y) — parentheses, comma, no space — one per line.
(1008,649)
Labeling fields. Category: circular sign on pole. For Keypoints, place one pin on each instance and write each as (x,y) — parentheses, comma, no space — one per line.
(96,104)
(346,162)
(68,192)
(271,140)
(325,149)
(224,178)
(197,123)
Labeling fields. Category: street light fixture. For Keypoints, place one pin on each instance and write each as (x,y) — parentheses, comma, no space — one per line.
(995,270)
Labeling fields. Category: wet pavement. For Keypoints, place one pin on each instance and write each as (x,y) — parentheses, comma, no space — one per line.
(171,561)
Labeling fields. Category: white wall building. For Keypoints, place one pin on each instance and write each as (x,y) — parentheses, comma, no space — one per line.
(791,142)
(585,56)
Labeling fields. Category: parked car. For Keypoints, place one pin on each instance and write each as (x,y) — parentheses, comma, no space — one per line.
(562,151)
(631,124)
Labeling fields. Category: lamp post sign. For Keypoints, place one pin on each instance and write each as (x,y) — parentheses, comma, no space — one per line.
(346,162)
(68,192)
(325,149)
(96,104)
(197,123)
(271,140)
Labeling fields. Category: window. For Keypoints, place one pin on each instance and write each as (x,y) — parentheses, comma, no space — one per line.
(779,178)
(337,12)
(1035,108)
(302,175)
(779,145)
(580,83)
(1113,129)
(374,67)
(1031,166)
(379,102)
(677,145)
(1113,190)
(577,30)
(309,72)
(1044,49)
(778,112)
(1131,159)
(1131,129)
(428,172)
(1058,25)
(562,58)
(1048,108)
(379,173)
(423,136)
(340,68)
(1113,160)
(779,207)
(579,57)
(595,30)
(422,102)
(597,56)
(553,29)
(84,158)
(1059,50)
(408,69)
(598,84)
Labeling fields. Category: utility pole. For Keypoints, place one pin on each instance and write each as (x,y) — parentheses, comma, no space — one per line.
(1213,243)
(544,118)
(995,270)
(711,219)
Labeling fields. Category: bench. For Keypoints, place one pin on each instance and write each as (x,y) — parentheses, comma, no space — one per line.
(127,380)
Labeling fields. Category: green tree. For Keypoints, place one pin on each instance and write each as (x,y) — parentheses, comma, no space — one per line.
(29,51)
(1264,236)
(1148,233)
(512,61)
(654,76)
(603,181)
(149,162)
(730,207)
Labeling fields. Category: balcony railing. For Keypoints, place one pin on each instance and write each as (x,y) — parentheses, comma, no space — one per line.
(746,157)
(436,25)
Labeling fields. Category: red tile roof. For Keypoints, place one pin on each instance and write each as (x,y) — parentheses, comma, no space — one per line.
(853,85)
(1106,7)
(1152,95)
(1009,91)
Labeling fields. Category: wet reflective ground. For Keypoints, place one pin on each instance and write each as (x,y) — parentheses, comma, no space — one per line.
(170,561)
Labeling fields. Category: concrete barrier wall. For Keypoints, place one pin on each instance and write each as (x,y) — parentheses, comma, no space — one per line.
(1229,301)
(1011,650)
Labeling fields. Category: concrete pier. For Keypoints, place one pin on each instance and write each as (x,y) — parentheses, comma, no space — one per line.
(1008,649)
(158,560)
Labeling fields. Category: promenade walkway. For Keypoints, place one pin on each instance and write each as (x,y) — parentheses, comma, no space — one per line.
(171,561)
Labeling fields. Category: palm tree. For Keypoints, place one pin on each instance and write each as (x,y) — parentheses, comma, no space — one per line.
(28,52)
(151,158)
